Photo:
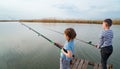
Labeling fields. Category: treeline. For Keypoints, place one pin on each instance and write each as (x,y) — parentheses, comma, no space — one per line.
(63,21)
(115,21)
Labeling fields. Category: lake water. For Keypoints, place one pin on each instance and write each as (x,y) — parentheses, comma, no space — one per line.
(20,48)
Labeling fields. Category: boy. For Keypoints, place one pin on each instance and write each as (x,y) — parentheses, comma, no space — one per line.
(105,42)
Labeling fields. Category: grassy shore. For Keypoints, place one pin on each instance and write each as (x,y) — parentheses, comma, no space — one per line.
(115,21)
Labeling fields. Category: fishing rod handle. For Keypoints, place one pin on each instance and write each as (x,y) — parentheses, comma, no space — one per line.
(60,46)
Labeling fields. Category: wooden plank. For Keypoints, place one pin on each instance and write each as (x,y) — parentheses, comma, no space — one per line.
(73,62)
(76,64)
(85,65)
(95,66)
(80,64)
(110,66)
(107,66)
(100,66)
(91,63)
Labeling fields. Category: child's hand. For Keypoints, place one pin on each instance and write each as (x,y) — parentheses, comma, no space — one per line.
(97,46)
(68,53)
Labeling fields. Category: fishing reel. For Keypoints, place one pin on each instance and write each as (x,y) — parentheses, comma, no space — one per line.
(90,42)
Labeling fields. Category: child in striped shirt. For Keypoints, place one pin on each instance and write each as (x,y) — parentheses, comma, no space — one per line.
(105,42)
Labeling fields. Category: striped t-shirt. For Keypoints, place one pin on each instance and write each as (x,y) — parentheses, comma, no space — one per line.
(106,37)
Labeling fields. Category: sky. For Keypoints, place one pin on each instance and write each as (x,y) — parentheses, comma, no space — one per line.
(63,9)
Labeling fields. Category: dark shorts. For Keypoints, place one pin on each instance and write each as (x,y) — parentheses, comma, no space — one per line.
(107,50)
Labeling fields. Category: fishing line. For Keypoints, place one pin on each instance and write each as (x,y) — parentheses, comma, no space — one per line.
(39,34)
(90,42)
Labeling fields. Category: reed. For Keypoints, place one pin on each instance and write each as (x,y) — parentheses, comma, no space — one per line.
(115,21)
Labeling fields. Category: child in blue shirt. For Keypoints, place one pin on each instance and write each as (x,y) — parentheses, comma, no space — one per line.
(66,57)
(105,42)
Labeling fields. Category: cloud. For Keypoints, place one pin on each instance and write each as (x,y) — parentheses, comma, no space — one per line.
(91,9)
(28,9)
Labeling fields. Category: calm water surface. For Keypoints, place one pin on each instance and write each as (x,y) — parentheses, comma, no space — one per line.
(21,48)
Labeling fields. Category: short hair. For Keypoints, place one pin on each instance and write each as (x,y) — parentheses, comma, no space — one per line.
(70,32)
(108,21)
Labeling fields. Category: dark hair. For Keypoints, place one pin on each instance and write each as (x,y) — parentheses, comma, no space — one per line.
(108,21)
(70,32)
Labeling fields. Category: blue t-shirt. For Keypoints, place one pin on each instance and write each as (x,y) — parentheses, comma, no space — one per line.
(106,37)
(68,46)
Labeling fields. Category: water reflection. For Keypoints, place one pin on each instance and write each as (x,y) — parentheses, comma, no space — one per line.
(21,48)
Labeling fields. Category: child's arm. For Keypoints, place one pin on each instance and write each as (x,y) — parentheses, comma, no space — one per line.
(68,54)
(100,40)
(99,44)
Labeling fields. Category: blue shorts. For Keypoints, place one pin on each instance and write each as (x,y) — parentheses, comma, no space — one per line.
(64,64)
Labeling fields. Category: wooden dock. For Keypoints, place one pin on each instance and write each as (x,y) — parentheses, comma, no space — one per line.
(83,64)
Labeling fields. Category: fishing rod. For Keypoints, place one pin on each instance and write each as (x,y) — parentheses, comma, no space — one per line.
(39,34)
(90,42)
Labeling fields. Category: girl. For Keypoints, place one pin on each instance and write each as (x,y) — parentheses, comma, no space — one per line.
(66,57)
(105,43)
